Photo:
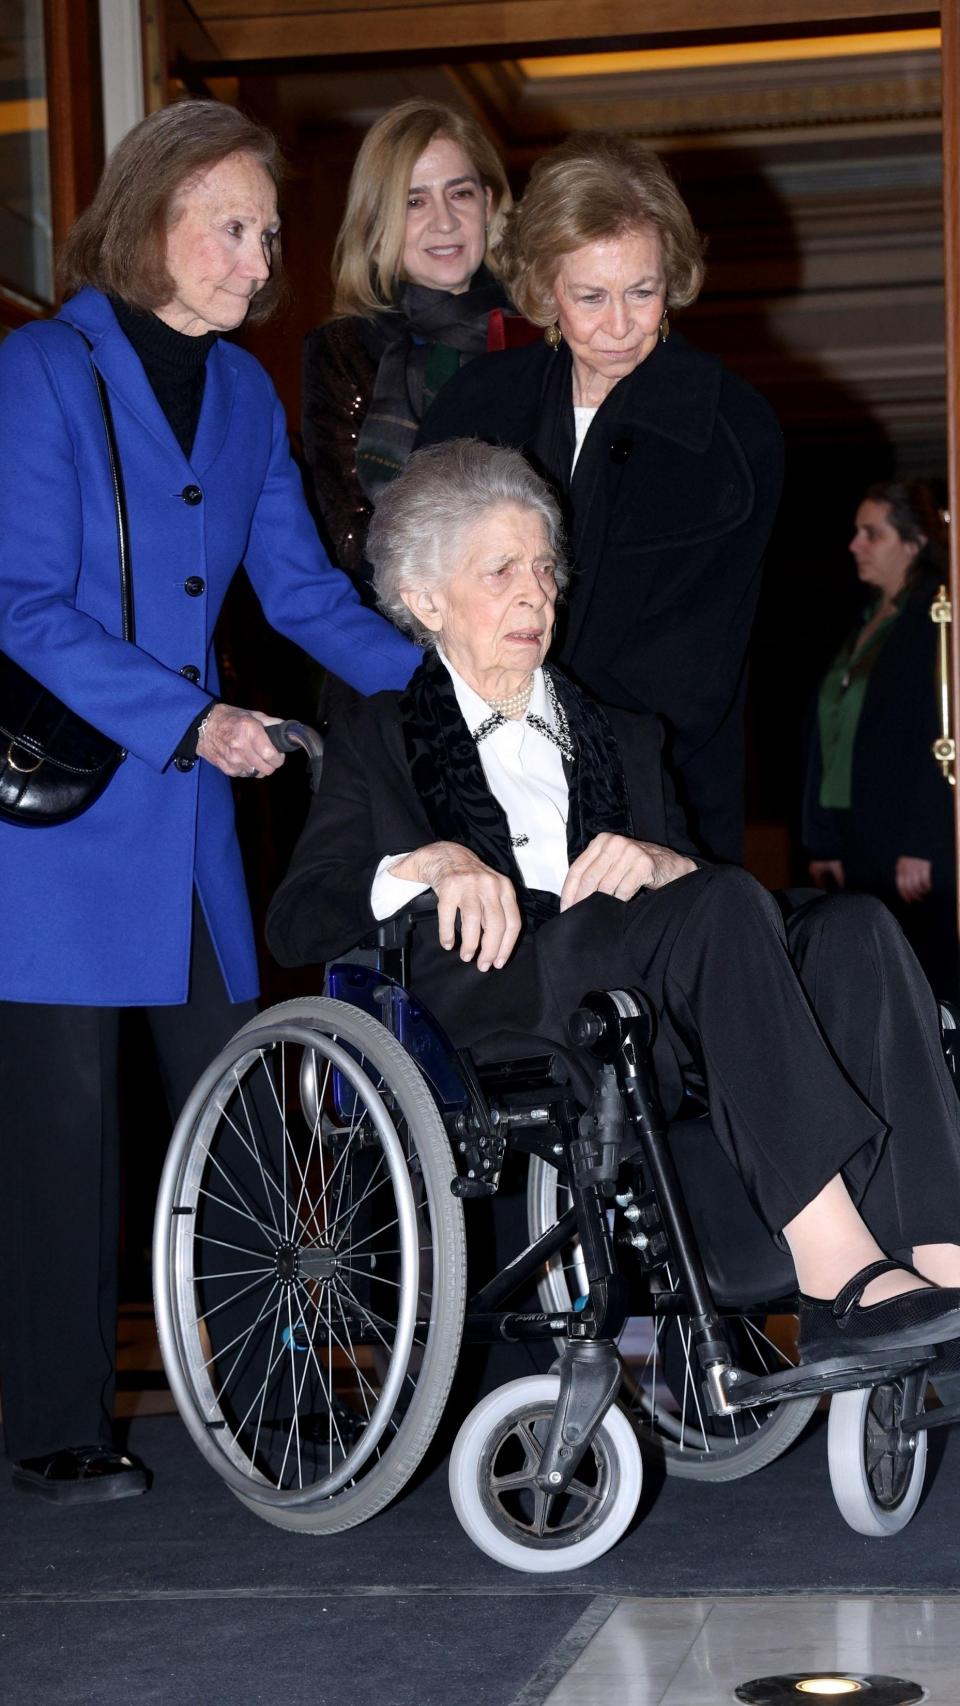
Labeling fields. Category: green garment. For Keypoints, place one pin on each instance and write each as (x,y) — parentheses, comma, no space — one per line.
(839,706)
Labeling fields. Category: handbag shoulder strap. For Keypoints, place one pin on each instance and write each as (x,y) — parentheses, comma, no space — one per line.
(128,626)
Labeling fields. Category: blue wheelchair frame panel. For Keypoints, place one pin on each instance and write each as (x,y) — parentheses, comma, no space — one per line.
(419,1034)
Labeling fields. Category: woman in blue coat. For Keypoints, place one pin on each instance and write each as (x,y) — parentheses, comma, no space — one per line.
(140,901)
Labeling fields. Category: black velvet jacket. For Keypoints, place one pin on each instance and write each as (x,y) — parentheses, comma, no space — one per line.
(338,379)
(369,806)
(670,508)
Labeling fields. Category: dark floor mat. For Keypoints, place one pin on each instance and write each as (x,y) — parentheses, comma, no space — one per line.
(185,1595)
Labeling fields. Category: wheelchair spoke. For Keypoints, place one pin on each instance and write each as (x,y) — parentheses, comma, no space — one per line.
(207,1314)
(265,1385)
(246,1214)
(372,1185)
(758,1339)
(222,1244)
(358,1243)
(245,1335)
(381,1279)
(257,1155)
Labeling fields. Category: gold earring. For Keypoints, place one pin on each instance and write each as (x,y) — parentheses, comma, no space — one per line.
(553,336)
(664,329)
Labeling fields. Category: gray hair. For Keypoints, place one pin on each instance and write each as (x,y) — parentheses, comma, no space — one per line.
(422,518)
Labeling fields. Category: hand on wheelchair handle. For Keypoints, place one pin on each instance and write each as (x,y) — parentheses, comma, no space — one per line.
(238,742)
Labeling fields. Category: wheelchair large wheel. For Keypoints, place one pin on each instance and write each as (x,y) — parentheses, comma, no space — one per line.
(661,1389)
(876,1472)
(496,1498)
(310,1266)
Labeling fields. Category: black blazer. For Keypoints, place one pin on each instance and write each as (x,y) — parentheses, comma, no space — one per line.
(900,803)
(367,808)
(669,512)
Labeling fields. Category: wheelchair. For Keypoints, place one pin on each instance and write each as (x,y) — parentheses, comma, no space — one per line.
(311,1284)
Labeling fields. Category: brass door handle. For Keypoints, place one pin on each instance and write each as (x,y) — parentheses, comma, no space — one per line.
(944,748)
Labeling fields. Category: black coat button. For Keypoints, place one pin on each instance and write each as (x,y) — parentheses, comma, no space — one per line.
(192,495)
(191,671)
(194,586)
(184,763)
(620,449)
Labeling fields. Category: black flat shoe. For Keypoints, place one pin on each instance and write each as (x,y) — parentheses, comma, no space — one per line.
(945,1376)
(81,1474)
(846,1328)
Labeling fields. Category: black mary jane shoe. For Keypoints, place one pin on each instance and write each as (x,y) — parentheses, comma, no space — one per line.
(846,1327)
(81,1474)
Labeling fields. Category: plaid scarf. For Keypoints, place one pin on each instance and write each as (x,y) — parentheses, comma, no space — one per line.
(418,346)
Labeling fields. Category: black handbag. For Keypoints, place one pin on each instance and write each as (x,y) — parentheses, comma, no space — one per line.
(53,764)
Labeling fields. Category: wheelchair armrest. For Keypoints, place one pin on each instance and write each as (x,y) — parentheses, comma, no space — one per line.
(395,932)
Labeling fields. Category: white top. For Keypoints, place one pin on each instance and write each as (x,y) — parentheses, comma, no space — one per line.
(581,421)
(524,772)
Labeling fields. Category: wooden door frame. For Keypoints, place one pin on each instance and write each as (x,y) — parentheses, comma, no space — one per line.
(74,127)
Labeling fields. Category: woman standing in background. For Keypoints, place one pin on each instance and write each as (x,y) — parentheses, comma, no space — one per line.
(413,298)
(878,816)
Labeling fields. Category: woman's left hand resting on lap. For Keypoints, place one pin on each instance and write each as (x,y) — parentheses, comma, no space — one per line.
(618,866)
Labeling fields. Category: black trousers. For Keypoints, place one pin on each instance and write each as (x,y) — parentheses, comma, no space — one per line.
(59,1195)
(817,1041)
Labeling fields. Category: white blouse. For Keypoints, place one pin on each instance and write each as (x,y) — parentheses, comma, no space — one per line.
(524,772)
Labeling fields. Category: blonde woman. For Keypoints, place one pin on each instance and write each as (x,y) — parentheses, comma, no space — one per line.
(669,465)
(413,296)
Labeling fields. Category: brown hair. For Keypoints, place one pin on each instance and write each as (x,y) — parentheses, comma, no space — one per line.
(595,186)
(119,243)
(913,513)
(369,249)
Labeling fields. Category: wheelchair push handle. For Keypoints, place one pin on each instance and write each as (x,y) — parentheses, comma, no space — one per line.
(292,736)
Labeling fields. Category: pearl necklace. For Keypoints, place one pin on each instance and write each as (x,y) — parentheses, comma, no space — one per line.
(514,703)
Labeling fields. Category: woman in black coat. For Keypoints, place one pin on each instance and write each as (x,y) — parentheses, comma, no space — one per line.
(878,814)
(670,467)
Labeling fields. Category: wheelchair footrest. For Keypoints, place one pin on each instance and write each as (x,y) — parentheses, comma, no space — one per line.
(836,1374)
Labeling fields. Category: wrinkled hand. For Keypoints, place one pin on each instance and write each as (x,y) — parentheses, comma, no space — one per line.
(827,873)
(490,918)
(618,866)
(234,741)
(913,877)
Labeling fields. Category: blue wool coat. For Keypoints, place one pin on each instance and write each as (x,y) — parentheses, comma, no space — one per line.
(98,911)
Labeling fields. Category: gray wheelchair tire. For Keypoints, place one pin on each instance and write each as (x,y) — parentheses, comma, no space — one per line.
(685,1449)
(339,1034)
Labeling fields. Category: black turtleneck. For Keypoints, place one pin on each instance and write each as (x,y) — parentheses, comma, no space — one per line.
(175,364)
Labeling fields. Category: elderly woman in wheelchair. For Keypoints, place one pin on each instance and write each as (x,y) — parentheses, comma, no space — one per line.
(310,1254)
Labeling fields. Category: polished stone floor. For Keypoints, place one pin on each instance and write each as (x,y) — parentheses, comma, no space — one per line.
(693,1652)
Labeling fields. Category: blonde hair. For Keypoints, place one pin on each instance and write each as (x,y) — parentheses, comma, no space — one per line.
(593,187)
(368,255)
(119,243)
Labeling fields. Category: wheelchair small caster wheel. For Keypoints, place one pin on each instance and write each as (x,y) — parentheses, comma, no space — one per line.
(876,1472)
(492,1482)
